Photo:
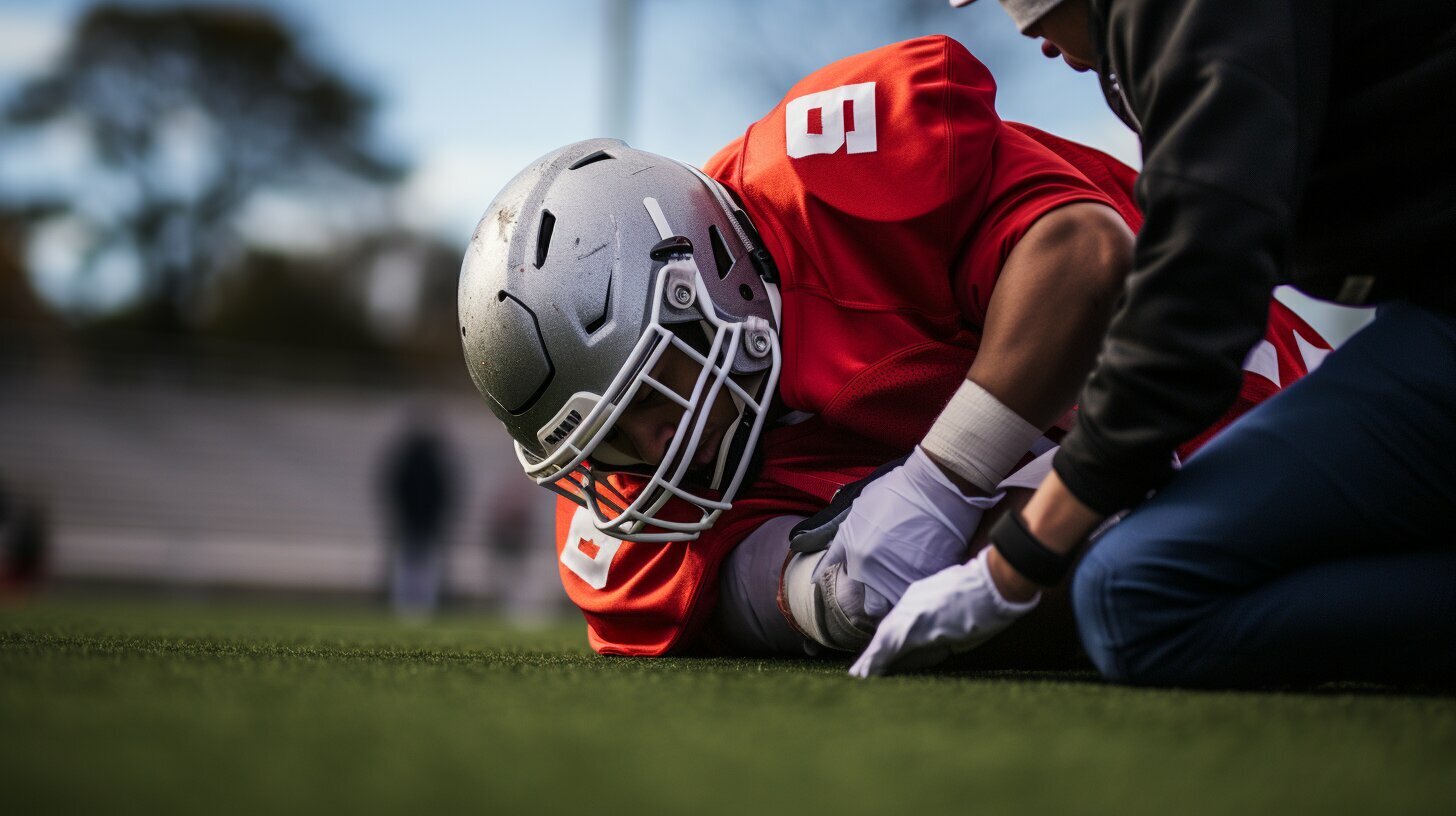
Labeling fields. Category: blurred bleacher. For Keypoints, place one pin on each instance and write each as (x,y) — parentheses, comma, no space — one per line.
(202,470)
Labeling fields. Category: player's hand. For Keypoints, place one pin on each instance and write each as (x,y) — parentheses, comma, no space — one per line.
(952,611)
(908,524)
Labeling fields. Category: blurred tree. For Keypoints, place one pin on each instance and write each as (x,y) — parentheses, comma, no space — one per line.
(30,332)
(386,301)
(273,300)
(410,285)
(20,309)
(190,112)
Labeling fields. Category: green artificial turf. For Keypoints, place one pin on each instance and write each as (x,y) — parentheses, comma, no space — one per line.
(146,707)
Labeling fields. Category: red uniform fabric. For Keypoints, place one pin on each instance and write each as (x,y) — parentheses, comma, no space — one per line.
(889,234)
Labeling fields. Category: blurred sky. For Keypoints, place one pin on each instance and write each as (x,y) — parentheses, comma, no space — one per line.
(470,92)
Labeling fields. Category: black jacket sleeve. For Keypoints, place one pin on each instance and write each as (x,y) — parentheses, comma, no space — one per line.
(1216,87)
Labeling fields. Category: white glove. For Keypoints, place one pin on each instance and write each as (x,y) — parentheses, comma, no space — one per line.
(954,610)
(909,523)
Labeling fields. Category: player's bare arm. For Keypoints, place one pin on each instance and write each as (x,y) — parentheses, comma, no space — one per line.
(1050,308)
(1049,311)
(1051,303)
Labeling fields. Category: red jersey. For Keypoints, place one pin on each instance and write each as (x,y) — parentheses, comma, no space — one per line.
(889,194)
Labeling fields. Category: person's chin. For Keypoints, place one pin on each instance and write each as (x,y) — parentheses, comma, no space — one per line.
(707,453)
(702,470)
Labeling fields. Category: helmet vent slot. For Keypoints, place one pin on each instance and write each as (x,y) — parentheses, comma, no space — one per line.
(590,158)
(721,256)
(543,238)
(593,326)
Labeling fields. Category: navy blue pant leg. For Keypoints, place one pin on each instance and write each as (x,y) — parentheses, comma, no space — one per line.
(1313,539)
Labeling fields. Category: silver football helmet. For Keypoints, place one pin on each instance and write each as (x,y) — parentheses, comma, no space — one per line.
(588,266)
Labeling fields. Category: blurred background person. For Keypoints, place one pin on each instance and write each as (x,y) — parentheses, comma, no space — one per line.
(418,481)
(510,536)
(22,544)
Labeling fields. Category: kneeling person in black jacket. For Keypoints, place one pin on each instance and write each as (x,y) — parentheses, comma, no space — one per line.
(1284,141)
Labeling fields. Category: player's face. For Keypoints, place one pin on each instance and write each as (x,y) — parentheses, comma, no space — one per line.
(647,427)
(1066,32)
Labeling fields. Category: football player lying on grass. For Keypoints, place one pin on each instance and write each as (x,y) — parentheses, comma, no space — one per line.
(879,271)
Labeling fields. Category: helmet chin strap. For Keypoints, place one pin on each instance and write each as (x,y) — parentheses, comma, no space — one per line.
(734,431)
(776,308)
(723,456)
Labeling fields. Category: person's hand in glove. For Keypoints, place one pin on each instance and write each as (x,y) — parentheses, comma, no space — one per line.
(954,610)
(910,523)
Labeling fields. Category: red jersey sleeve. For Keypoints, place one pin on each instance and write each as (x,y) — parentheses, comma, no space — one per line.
(1113,179)
(1024,179)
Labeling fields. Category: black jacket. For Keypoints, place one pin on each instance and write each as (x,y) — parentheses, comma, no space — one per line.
(1283,141)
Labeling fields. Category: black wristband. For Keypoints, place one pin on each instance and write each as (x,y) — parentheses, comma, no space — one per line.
(1025,553)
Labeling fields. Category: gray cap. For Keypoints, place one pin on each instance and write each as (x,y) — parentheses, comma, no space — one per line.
(1023,12)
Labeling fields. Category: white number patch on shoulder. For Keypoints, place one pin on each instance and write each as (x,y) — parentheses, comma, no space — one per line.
(815,123)
(588,551)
